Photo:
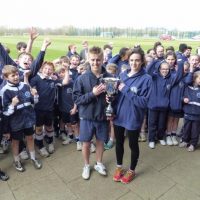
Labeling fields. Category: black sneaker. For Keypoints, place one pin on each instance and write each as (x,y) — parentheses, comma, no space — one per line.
(37,163)
(3,176)
(18,166)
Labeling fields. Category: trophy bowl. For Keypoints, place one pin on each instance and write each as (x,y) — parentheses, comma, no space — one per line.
(111,89)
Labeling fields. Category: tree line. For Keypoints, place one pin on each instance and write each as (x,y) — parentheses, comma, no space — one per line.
(102,31)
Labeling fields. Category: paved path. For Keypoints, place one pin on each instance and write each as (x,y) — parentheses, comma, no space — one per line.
(164,173)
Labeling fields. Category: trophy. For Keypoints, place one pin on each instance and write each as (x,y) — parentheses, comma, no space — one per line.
(111,90)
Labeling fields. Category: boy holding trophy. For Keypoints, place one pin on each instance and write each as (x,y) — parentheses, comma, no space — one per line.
(89,96)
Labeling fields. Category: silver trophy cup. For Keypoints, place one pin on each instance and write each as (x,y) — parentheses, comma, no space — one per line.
(111,90)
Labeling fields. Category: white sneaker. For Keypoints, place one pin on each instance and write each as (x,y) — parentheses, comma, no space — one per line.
(101,169)
(1,150)
(183,144)
(92,147)
(64,136)
(24,155)
(174,140)
(67,141)
(162,142)
(36,163)
(86,172)
(43,152)
(190,148)
(142,137)
(79,146)
(51,148)
(152,145)
(169,140)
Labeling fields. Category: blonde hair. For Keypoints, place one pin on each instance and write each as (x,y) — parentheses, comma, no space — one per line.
(59,69)
(111,68)
(64,59)
(124,68)
(56,61)
(48,63)
(9,69)
(196,75)
(25,54)
(96,50)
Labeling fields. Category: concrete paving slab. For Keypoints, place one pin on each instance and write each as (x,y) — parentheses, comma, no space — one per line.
(191,156)
(4,187)
(19,179)
(98,188)
(160,157)
(162,173)
(130,195)
(50,187)
(179,193)
(62,150)
(68,167)
(149,183)
(185,172)
(7,196)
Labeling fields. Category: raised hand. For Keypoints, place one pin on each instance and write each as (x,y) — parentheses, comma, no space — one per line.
(45,44)
(33,33)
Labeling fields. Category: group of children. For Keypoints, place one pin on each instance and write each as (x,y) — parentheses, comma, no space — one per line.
(18,117)
(171,78)
(41,100)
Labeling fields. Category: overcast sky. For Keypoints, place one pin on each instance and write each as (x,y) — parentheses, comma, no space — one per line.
(182,15)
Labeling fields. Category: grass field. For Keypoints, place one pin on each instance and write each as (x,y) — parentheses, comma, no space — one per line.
(60,43)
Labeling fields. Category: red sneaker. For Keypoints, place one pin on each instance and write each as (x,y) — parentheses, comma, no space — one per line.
(128,177)
(118,174)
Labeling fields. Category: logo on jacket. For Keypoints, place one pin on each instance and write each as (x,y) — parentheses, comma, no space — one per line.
(134,89)
(198,95)
(168,87)
(27,94)
(52,85)
(69,90)
(181,84)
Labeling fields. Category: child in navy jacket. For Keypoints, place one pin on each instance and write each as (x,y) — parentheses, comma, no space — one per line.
(158,103)
(191,108)
(176,107)
(26,65)
(67,108)
(17,100)
(45,84)
(120,59)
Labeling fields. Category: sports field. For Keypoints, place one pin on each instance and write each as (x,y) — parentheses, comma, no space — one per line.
(60,43)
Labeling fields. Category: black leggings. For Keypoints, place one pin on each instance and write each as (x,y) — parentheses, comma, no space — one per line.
(133,144)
